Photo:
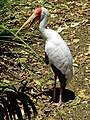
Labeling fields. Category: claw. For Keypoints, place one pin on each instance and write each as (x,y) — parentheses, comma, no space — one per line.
(57,104)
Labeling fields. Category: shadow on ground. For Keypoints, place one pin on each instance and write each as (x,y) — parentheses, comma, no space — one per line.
(67,95)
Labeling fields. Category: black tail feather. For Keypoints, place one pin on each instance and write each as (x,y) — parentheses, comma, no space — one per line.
(60,75)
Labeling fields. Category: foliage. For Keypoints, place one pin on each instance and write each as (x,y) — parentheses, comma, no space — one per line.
(12,100)
(20,39)
(44,1)
(2,3)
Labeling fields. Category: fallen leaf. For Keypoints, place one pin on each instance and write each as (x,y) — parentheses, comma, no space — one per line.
(75,102)
(89,82)
(24,52)
(22,111)
(75,24)
(53,15)
(82,94)
(59,30)
(22,60)
(85,102)
(75,64)
(51,118)
(79,4)
(76,40)
(32,91)
(88,52)
(83,22)
(37,82)
(84,6)
(6,81)
(63,5)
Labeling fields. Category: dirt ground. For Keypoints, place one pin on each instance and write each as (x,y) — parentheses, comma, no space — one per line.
(19,64)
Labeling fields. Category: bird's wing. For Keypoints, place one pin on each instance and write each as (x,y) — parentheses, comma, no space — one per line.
(59,55)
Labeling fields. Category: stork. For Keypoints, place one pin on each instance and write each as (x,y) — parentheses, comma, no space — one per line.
(57,53)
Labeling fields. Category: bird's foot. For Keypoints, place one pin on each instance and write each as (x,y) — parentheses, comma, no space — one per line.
(57,104)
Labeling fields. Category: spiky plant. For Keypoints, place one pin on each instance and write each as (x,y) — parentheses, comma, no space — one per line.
(15,104)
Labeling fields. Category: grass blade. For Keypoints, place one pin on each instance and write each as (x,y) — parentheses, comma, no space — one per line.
(16,36)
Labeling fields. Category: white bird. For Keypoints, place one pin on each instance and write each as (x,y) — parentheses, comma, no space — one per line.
(57,53)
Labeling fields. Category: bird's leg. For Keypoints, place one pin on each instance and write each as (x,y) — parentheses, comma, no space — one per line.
(60,99)
(54,94)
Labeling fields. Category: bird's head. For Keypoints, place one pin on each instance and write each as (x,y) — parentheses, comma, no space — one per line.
(38,15)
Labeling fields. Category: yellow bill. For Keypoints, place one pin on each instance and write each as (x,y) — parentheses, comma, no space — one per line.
(31,18)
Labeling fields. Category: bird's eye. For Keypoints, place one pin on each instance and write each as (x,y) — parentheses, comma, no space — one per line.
(39,13)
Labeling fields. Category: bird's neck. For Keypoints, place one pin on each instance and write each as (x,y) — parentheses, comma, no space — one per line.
(42,23)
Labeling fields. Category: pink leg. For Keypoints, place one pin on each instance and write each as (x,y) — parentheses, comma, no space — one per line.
(60,99)
(54,95)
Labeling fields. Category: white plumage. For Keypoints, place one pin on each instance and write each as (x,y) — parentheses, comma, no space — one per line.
(59,55)
(57,52)
(56,48)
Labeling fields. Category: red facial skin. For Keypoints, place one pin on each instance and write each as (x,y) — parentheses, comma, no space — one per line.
(37,13)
